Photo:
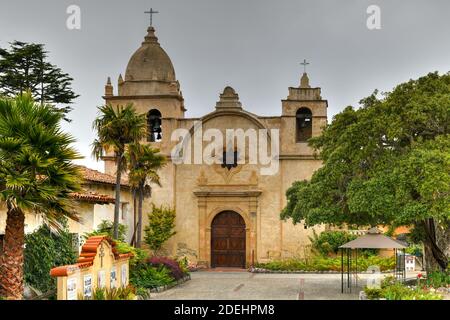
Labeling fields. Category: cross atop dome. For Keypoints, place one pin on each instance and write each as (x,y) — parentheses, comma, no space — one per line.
(151,13)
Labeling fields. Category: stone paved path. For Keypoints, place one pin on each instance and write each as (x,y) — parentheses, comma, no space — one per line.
(251,286)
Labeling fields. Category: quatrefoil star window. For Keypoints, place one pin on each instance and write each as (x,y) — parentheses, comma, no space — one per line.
(230,159)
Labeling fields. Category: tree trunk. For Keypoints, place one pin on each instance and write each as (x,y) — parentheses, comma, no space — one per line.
(443,238)
(11,261)
(435,258)
(139,230)
(133,236)
(117,197)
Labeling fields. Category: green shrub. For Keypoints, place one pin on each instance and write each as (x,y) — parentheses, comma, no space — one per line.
(43,251)
(105,228)
(127,293)
(184,265)
(437,279)
(145,276)
(373,293)
(161,222)
(391,289)
(398,291)
(143,292)
(321,263)
(388,281)
(421,295)
(139,255)
(175,270)
(395,291)
(384,263)
(98,294)
(328,242)
(415,249)
(283,265)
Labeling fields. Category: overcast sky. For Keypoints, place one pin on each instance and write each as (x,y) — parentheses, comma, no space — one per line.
(253,45)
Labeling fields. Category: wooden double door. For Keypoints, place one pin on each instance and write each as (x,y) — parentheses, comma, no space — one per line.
(228,240)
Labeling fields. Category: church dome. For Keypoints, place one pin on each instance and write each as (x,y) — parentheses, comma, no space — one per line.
(150,62)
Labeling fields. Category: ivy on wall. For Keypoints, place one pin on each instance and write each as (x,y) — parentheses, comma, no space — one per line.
(45,249)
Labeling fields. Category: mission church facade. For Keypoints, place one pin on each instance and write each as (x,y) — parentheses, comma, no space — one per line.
(227,215)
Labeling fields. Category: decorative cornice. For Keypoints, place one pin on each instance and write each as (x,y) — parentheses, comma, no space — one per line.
(142,97)
(225,193)
(294,100)
(281,157)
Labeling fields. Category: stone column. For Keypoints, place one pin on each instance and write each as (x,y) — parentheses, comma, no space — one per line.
(202,244)
(253,214)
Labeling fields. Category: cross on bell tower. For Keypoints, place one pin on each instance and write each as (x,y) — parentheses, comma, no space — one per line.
(304,64)
(151,13)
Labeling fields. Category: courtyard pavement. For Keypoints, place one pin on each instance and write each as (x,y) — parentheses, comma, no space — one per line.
(235,285)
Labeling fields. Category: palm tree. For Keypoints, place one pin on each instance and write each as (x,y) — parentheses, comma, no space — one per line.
(36,176)
(144,163)
(116,128)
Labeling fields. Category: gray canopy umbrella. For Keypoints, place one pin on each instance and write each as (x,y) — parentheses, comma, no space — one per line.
(373,239)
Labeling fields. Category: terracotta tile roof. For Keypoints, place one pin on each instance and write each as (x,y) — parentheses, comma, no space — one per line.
(92,197)
(398,230)
(92,175)
(87,256)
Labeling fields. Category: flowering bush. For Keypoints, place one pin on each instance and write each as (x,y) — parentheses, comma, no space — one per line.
(193,266)
(393,290)
(155,272)
(175,270)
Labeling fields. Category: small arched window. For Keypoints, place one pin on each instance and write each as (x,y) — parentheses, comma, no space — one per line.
(154,130)
(304,124)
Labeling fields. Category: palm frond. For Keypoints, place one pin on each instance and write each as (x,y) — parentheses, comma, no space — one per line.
(36,170)
(144,163)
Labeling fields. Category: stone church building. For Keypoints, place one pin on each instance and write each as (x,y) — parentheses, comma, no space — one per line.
(228,214)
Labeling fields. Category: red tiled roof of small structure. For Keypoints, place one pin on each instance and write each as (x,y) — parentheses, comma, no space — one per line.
(100,177)
(92,197)
(398,230)
(87,256)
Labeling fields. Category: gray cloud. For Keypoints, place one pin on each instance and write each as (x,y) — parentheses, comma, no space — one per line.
(253,45)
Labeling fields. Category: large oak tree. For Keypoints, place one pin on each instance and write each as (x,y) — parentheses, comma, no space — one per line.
(386,163)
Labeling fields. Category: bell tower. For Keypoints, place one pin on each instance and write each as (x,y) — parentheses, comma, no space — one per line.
(304,114)
(151,86)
